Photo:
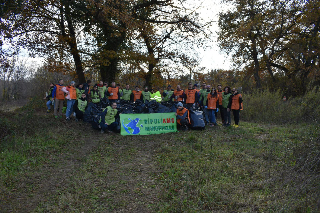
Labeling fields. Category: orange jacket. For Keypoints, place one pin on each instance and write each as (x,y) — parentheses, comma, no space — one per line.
(59,92)
(236,101)
(114,92)
(212,101)
(136,95)
(178,93)
(181,113)
(191,96)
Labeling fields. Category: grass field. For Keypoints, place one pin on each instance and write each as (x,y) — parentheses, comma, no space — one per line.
(49,165)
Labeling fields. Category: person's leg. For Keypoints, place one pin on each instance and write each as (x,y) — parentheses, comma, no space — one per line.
(68,112)
(103,126)
(56,106)
(236,114)
(49,105)
(60,108)
(206,115)
(213,119)
(113,127)
(221,113)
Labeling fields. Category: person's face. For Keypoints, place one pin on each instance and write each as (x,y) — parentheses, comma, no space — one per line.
(203,86)
(146,89)
(180,107)
(83,96)
(114,105)
(234,90)
(128,87)
(169,88)
(219,87)
(208,86)
(226,89)
(113,84)
(101,82)
(95,88)
(190,86)
(137,88)
(51,85)
(72,84)
(81,85)
(61,82)
(106,84)
(178,87)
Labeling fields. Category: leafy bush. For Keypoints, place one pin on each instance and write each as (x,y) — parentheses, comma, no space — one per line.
(268,107)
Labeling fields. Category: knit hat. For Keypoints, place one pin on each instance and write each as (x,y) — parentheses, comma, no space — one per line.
(72,82)
(179,104)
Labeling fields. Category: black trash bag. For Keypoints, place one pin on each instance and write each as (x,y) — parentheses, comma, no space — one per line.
(197,120)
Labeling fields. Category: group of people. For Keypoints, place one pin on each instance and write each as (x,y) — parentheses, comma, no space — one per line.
(209,100)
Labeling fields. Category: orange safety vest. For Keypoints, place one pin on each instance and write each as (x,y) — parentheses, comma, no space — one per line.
(115,93)
(178,93)
(220,97)
(191,96)
(72,92)
(236,102)
(59,92)
(212,101)
(136,95)
(180,113)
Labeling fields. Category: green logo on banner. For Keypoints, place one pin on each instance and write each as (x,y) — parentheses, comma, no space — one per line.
(146,124)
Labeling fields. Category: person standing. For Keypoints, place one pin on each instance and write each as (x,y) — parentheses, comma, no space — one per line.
(191,96)
(203,102)
(101,89)
(86,87)
(178,94)
(113,92)
(212,105)
(136,94)
(80,90)
(235,101)
(49,98)
(146,95)
(167,94)
(225,102)
(126,93)
(58,96)
(71,98)
(95,95)
(219,91)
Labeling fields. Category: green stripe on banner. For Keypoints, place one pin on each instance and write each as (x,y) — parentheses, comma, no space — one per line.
(147,124)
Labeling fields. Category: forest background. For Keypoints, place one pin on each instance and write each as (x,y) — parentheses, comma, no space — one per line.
(274,44)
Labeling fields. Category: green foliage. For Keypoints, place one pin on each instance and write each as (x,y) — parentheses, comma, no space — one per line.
(269,107)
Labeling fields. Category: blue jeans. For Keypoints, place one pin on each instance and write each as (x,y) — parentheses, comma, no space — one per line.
(49,103)
(111,127)
(212,116)
(206,114)
(70,104)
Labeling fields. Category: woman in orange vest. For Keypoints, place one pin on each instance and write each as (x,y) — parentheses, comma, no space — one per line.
(183,119)
(235,101)
(71,98)
(212,106)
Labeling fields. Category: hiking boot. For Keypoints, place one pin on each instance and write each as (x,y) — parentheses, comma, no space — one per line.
(236,125)
(102,131)
(68,119)
(48,110)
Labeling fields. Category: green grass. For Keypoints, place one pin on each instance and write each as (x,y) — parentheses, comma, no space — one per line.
(49,165)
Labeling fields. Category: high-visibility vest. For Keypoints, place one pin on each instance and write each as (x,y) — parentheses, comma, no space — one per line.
(82,105)
(95,96)
(110,115)
(225,99)
(59,93)
(156,96)
(136,95)
(181,113)
(177,94)
(114,92)
(126,94)
(146,95)
(212,101)
(236,102)
(168,93)
(79,92)
(204,95)
(101,90)
(191,96)
(72,92)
